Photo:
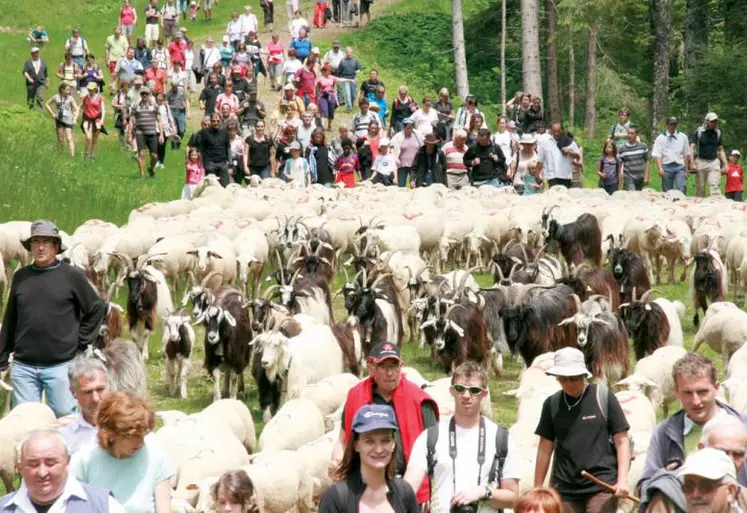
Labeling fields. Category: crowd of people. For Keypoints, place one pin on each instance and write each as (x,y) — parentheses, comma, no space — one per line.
(394,141)
(395,452)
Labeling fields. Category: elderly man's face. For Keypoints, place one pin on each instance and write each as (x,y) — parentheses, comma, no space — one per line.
(215,121)
(385,374)
(44,466)
(88,393)
(707,496)
(711,125)
(732,443)
(306,118)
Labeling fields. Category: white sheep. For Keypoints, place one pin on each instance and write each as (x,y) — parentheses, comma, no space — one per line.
(297,422)
(736,387)
(724,329)
(215,252)
(200,447)
(329,393)
(234,415)
(252,251)
(737,367)
(652,376)
(316,457)
(641,416)
(11,234)
(414,376)
(14,427)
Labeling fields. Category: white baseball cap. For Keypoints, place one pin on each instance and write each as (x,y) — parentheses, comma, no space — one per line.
(384,142)
(569,361)
(736,153)
(708,463)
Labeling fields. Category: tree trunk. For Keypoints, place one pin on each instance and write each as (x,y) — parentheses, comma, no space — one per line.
(696,45)
(735,21)
(553,88)
(531,67)
(503,57)
(590,119)
(571,77)
(661,17)
(460,59)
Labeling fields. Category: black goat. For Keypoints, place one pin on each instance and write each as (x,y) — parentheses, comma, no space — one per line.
(578,241)
(647,324)
(708,281)
(629,272)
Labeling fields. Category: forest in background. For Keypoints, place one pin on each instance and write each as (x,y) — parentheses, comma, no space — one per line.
(656,57)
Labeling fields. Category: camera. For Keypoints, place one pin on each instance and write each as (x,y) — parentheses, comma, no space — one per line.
(467,508)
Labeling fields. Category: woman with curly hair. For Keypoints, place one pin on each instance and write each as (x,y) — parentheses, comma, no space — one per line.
(127,460)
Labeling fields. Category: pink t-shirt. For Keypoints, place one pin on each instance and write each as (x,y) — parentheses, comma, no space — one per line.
(276,52)
(127,16)
(195,173)
(326,83)
(306,79)
(407,151)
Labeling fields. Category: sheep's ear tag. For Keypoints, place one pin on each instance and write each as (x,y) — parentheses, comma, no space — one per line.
(648,308)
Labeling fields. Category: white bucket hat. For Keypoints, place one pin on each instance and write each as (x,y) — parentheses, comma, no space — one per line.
(568,362)
(708,463)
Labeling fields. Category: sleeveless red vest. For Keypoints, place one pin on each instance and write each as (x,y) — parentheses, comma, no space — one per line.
(407,400)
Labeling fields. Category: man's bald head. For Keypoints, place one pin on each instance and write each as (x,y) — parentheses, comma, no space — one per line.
(44,465)
(726,433)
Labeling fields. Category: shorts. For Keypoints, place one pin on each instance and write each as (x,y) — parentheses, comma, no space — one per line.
(147,141)
(112,66)
(151,33)
(61,124)
(207,4)
(128,31)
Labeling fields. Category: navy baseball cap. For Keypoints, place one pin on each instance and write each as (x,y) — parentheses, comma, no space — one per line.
(384,351)
(371,417)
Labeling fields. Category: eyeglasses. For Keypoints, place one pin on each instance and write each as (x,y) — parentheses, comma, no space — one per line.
(460,389)
(734,454)
(563,379)
(704,485)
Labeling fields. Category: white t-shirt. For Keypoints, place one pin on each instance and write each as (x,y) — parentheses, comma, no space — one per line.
(424,122)
(296,25)
(466,462)
(384,164)
(503,140)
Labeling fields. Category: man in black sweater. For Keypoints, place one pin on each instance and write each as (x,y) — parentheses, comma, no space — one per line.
(53,313)
(214,147)
(485,162)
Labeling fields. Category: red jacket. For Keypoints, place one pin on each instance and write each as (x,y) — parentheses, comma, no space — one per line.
(407,399)
(734,177)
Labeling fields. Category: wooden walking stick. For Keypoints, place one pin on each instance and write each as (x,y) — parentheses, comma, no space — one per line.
(607,486)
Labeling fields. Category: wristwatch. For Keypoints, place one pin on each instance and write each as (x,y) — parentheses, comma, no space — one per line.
(488,493)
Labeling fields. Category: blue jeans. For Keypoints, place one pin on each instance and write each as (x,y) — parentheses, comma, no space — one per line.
(402,174)
(349,89)
(263,172)
(674,177)
(29,382)
(632,184)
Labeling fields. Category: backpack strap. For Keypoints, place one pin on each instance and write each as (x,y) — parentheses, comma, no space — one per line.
(430,455)
(555,405)
(499,459)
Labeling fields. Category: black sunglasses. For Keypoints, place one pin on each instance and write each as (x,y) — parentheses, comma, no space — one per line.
(460,389)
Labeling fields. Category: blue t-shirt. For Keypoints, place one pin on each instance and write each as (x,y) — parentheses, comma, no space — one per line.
(132,480)
(302,46)
(226,52)
(608,166)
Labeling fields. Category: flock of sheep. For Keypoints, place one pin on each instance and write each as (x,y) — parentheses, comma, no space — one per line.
(571,268)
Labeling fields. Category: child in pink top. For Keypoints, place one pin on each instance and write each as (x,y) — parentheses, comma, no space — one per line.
(195,172)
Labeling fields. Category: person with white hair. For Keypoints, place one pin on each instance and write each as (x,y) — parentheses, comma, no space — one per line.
(725,433)
(88,384)
(709,481)
(47,484)
(456,171)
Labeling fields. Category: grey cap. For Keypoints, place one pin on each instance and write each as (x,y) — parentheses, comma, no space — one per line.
(711,116)
(144,90)
(672,121)
(44,228)
(295,145)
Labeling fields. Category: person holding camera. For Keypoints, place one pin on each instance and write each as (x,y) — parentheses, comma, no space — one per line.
(469,462)
(584,426)
(365,477)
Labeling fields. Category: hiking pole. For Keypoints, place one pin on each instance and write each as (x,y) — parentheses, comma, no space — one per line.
(607,486)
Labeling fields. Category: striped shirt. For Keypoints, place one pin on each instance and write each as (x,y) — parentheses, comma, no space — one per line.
(146,118)
(361,122)
(634,157)
(455,158)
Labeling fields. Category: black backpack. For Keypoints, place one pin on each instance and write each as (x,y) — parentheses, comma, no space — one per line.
(496,468)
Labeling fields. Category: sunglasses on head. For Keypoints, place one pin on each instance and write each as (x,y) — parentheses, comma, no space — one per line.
(460,389)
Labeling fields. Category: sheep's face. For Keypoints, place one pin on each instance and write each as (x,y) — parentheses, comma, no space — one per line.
(273,346)
(100,262)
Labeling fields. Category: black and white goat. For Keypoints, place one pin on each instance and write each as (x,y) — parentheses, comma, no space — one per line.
(178,341)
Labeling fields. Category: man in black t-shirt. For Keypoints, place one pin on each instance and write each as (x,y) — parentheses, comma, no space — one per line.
(710,158)
(214,148)
(368,87)
(584,425)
